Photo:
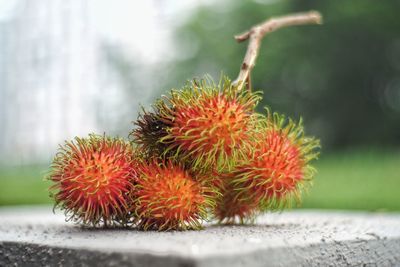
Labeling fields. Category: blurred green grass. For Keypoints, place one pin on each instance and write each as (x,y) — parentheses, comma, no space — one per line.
(23,185)
(364,180)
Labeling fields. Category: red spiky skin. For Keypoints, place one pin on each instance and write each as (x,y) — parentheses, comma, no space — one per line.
(277,167)
(214,126)
(93,178)
(275,170)
(168,198)
(230,206)
(203,125)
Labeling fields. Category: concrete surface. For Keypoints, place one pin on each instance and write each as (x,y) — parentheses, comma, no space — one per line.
(34,236)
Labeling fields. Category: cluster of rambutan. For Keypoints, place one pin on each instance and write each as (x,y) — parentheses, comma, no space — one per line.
(202,152)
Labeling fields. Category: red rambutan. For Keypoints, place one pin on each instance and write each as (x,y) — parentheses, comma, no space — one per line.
(168,198)
(278,168)
(200,146)
(204,123)
(230,206)
(93,179)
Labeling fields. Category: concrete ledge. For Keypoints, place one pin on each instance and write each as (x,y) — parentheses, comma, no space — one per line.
(33,236)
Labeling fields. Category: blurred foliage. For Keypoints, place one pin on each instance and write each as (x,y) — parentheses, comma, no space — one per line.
(343,77)
(24,185)
(364,179)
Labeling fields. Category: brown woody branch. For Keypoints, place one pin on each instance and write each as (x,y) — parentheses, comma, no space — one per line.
(257,32)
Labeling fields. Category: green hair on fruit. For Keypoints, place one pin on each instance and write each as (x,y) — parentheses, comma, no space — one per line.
(166,196)
(202,123)
(93,179)
(274,173)
(201,153)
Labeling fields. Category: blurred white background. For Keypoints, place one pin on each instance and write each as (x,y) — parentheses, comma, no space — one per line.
(64,66)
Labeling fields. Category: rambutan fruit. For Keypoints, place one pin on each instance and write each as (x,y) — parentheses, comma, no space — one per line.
(151,128)
(278,167)
(204,123)
(93,179)
(230,208)
(167,197)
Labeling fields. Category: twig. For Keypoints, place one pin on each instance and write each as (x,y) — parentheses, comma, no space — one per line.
(256,33)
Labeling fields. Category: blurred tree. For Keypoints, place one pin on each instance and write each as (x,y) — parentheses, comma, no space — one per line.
(127,85)
(343,77)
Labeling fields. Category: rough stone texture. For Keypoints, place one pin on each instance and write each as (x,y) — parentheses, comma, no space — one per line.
(34,236)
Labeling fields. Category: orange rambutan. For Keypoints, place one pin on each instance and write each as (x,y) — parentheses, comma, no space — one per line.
(278,168)
(204,123)
(230,207)
(167,197)
(93,178)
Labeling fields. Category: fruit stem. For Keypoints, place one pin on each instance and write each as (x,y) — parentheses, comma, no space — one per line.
(257,32)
